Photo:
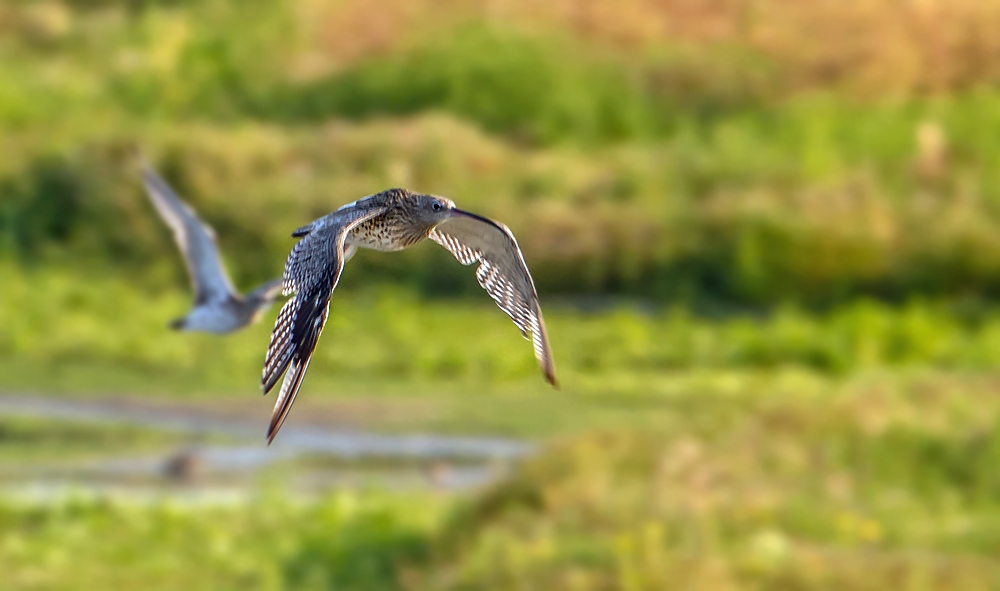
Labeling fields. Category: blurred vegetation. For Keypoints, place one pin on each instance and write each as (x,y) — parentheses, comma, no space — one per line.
(356,542)
(72,317)
(26,441)
(888,488)
(885,482)
(826,169)
(630,155)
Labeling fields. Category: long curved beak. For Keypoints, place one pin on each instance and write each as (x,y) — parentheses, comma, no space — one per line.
(461,213)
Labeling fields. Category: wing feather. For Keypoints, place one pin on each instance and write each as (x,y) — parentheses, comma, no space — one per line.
(502,273)
(195,238)
(312,272)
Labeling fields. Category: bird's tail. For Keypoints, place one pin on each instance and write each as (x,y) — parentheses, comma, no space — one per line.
(267,293)
(293,341)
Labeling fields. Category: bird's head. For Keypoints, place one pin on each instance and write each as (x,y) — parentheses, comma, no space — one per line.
(433,209)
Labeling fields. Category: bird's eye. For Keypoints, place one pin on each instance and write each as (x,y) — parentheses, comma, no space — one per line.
(436,206)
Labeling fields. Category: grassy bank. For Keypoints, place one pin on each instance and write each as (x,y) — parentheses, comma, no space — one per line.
(391,360)
(694,167)
(272,544)
(817,202)
(25,441)
(883,482)
(70,317)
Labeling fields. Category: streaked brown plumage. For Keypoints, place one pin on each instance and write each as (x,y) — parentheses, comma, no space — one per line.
(389,221)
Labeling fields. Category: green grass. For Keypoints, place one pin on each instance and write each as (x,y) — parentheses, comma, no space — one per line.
(461,365)
(669,172)
(800,396)
(778,484)
(27,441)
(793,496)
(271,544)
(817,202)
(74,317)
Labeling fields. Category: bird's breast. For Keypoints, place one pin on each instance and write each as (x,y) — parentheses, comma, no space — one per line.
(386,234)
(215,317)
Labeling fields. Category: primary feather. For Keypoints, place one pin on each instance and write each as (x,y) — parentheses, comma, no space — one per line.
(312,272)
(502,273)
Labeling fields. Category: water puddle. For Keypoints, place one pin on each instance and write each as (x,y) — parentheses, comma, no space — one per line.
(236,461)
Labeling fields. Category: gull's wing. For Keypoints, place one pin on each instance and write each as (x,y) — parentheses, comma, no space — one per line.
(195,238)
(502,273)
(312,272)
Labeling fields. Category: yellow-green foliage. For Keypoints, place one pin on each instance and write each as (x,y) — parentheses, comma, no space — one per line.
(883,486)
(828,167)
(684,164)
(25,442)
(344,542)
(68,318)
(882,481)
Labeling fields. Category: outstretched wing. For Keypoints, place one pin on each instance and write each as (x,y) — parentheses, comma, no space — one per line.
(502,272)
(195,238)
(312,272)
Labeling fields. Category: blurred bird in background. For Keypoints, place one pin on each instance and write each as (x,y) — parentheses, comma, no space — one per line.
(218,307)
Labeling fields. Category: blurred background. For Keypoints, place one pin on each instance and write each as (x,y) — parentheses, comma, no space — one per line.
(765,233)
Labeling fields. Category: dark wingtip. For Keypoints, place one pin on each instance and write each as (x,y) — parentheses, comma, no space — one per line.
(551,379)
(276,421)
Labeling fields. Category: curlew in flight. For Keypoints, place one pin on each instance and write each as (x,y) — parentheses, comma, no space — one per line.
(218,307)
(389,221)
